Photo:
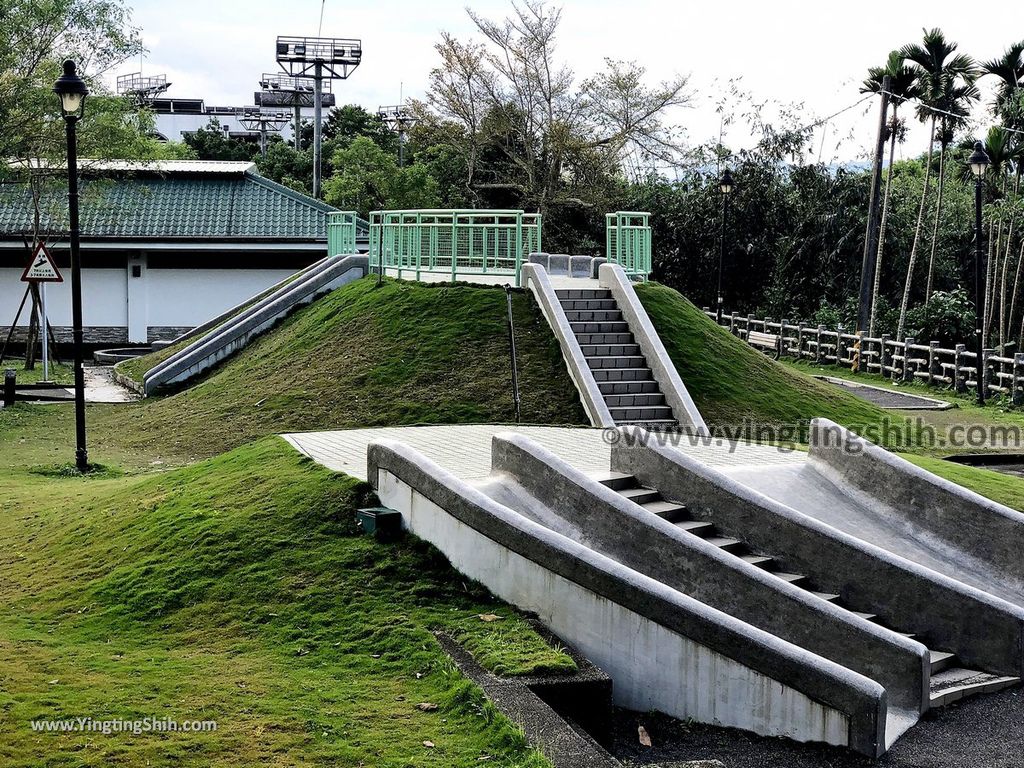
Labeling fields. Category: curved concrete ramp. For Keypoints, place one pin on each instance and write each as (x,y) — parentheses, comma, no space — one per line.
(664,649)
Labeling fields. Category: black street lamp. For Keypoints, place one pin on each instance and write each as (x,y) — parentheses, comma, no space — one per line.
(727,185)
(979,164)
(71,90)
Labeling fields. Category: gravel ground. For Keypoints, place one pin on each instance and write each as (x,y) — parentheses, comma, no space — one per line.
(982,732)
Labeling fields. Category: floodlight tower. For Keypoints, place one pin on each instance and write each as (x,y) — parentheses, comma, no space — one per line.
(254,119)
(319,58)
(295,93)
(142,89)
(400,119)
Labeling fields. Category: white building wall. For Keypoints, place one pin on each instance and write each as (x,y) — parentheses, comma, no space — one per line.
(189,297)
(104,298)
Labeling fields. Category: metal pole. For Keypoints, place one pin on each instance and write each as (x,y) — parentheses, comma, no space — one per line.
(81,454)
(46,340)
(318,80)
(721,255)
(979,256)
(401,144)
(512,354)
(867,271)
(298,125)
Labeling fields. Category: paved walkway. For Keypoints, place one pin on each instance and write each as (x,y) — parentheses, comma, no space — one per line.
(465,450)
(888,398)
(100,387)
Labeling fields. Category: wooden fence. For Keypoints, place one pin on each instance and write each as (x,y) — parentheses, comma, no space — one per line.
(902,361)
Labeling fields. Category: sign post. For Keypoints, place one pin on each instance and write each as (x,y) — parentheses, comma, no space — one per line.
(42,270)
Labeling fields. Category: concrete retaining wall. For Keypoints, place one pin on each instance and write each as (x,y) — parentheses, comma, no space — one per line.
(536,279)
(664,650)
(983,631)
(611,524)
(613,277)
(978,526)
(235,333)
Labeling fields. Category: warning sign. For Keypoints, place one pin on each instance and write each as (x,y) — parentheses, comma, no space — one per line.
(42,268)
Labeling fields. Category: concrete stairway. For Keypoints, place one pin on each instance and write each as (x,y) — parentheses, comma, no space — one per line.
(948,681)
(615,360)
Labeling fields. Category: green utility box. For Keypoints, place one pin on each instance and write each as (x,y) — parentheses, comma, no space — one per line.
(380,522)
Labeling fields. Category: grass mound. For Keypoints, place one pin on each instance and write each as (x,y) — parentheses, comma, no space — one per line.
(402,353)
(236,590)
(734,384)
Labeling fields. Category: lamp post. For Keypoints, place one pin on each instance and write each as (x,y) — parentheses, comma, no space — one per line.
(979,164)
(71,91)
(727,186)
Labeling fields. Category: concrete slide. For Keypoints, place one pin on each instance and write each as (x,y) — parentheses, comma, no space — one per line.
(230,332)
(705,599)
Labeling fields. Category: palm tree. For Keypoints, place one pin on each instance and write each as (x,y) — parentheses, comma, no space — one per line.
(1000,150)
(940,70)
(902,87)
(955,102)
(1009,68)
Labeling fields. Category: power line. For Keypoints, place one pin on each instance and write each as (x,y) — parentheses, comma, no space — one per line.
(938,111)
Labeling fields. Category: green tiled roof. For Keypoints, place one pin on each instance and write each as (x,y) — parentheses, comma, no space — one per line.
(173,205)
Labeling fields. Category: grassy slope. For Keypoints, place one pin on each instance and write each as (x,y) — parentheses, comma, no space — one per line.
(732,383)
(404,353)
(236,590)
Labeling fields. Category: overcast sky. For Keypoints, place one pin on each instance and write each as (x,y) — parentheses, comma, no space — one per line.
(816,53)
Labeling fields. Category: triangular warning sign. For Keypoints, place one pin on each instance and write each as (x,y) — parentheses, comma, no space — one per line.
(42,268)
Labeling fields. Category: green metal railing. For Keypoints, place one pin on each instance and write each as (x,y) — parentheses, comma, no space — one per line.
(454,242)
(628,242)
(341,233)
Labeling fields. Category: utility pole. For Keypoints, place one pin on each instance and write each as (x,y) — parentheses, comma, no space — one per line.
(867,271)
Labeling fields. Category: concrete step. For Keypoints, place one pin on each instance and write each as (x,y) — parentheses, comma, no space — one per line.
(640,494)
(574,304)
(956,683)
(727,543)
(621,374)
(610,350)
(626,401)
(792,578)
(941,660)
(759,560)
(604,338)
(593,316)
(865,616)
(667,510)
(617,481)
(583,293)
(646,413)
(593,326)
(616,361)
(628,387)
(700,528)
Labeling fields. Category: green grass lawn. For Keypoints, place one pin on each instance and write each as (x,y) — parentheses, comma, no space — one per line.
(404,353)
(61,374)
(237,590)
(733,384)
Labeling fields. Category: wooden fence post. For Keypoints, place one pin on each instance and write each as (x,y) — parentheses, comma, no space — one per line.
(959,376)
(840,346)
(10,387)
(986,369)
(908,372)
(750,322)
(732,323)
(933,362)
(1017,382)
(819,356)
(799,341)
(884,356)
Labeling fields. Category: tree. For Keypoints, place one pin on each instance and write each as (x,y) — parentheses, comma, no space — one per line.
(1009,68)
(344,124)
(212,143)
(367,178)
(523,112)
(941,72)
(902,87)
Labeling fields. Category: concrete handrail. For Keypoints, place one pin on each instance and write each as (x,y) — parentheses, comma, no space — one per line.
(639,539)
(474,521)
(536,279)
(974,524)
(613,277)
(236,332)
(984,631)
